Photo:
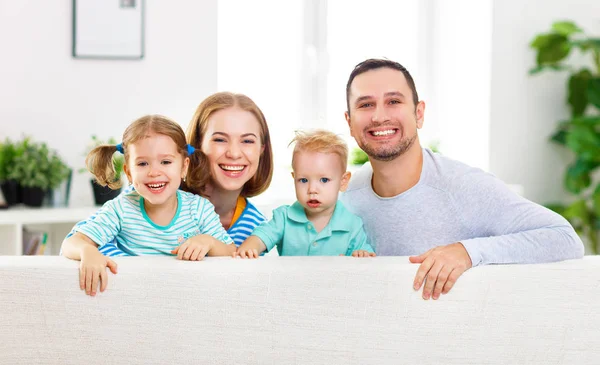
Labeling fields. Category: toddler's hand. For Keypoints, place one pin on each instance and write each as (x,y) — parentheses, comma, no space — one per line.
(194,248)
(363,253)
(93,269)
(250,253)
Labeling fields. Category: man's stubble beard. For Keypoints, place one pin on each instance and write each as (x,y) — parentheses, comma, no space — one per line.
(388,154)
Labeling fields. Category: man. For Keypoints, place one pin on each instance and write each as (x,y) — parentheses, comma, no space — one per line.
(416,202)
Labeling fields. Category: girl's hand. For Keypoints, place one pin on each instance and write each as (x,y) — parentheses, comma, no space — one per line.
(93,269)
(194,248)
(363,253)
(250,253)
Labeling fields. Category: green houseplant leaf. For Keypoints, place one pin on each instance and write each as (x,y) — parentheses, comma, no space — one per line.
(560,137)
(118,159)
(35,165)
(118,163)
(566,28)
(593,92)
(358,156)
(578,213)
(596,201)
(8,152)
(551,48)
(584,141)
(578,89)
(578,176)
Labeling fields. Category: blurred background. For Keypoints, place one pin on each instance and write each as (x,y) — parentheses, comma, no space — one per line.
(471,61)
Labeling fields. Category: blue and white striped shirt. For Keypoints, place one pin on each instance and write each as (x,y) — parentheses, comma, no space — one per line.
(239,230)
(124,228)
(245,224)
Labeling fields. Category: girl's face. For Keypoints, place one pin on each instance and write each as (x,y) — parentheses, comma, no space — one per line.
(155,168)
(232,144)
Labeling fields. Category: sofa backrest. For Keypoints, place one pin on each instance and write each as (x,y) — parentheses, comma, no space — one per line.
(297,310)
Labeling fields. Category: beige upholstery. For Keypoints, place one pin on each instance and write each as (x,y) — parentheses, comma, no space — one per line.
(283,310)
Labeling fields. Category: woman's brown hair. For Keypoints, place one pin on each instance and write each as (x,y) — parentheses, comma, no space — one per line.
(224,100)
(100,160)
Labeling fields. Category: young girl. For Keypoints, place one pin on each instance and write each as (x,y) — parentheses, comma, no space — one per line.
(231,130)
(154,218)
(317,224)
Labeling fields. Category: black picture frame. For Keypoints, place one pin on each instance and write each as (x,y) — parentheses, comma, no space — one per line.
(96,27)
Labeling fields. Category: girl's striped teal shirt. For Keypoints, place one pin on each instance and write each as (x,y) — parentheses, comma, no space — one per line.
(122,224)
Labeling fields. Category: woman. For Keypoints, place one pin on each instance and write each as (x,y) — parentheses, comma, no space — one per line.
(232,132)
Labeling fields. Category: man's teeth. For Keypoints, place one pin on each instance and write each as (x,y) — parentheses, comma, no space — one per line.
(383,133)
(232,168)
(156,186)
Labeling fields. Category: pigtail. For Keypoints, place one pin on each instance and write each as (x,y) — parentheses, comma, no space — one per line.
(100,163)
(198,175)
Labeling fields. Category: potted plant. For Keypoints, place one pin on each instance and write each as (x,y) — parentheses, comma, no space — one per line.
(10,187)
(358,157)
(37,169)
(581,132)
(102,194)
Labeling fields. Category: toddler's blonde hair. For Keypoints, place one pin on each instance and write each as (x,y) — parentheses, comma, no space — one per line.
(320,140)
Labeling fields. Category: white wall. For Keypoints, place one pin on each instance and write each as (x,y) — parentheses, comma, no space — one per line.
(525,110)
(47,94)
(459,57)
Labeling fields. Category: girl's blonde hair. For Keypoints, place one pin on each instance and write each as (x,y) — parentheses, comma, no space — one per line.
(224,100)
(100,160)
(320,140)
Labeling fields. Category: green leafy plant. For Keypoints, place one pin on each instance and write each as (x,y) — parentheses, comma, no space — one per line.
(8,152)
(581,132)
(35,165)
(118,159)
(358,156)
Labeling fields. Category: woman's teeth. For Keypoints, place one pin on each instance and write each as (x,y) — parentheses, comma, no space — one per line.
(232,168)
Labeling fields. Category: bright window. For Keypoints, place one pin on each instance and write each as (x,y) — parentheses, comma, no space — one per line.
(295,60)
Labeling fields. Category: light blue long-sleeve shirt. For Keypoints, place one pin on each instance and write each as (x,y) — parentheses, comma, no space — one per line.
(453,202)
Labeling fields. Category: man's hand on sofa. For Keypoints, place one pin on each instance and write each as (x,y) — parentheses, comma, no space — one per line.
(440,268)
(92,270)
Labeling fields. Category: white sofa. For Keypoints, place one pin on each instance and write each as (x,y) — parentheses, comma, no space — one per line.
(284,310)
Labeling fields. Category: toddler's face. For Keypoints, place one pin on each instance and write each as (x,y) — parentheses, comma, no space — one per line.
(318,177)
(155,168)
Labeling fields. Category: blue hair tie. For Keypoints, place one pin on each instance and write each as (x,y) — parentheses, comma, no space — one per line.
(190,149)
(120,148)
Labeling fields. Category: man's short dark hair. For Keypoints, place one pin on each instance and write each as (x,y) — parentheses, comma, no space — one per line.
(373,64)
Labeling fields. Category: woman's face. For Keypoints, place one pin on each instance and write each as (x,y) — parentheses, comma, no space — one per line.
(232,144)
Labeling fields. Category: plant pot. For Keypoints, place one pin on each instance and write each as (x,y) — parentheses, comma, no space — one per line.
(102,194)
(33,196)
(11,190)
(59,197)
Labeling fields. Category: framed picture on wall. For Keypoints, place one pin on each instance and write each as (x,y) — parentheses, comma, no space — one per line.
(108,29)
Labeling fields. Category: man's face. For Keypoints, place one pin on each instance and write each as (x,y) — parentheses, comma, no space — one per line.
(383,118)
